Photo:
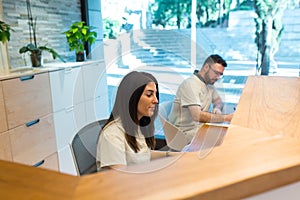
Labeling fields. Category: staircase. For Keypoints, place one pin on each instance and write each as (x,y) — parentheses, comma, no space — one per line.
(167,54)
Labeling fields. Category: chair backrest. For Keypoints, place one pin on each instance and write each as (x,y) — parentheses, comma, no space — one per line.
(175,138)
(84,147)
(165,109)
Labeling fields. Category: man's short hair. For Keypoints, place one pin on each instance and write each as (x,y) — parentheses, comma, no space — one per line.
(215,58)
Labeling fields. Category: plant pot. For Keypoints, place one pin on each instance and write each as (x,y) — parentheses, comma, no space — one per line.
(36,59)
(80,57)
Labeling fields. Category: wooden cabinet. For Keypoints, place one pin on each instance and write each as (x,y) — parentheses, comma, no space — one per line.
(42,112)
(67,122)
(95,91)
(26,98)
(66,88)
(30,138)
(50,162)
(3,122)
(5,149)
(32,143)
(79,96)
(68,111)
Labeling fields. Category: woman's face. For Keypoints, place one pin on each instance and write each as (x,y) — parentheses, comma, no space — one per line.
(147,102)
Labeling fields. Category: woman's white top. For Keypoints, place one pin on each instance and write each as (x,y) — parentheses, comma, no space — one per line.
(112,148)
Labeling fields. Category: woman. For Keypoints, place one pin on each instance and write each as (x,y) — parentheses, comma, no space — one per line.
(128,136)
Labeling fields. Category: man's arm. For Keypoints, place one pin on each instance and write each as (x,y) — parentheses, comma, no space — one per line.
(202,116)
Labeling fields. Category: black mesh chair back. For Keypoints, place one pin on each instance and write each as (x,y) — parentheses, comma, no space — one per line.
(84,147)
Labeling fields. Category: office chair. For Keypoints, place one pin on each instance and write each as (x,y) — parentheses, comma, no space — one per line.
(174,136)
(164,109)
(84,147)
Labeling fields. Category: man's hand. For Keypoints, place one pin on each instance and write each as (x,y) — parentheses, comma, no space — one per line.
(217,111)
(228,117)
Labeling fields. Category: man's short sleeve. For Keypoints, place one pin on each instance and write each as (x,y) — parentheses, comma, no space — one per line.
(190,92)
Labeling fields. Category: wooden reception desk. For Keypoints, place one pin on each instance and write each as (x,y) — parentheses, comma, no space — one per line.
(260,152)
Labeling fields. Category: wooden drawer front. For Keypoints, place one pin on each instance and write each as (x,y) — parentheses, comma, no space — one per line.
(3,122)
(26,98)
(33,143)
(5,149)
(50,162)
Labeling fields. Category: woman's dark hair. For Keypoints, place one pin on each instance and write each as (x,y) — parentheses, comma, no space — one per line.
(128,95)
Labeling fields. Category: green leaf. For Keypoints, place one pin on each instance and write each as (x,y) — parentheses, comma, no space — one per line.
(4,32)
(78,34)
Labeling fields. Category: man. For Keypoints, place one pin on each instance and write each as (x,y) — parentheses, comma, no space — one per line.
(195,95)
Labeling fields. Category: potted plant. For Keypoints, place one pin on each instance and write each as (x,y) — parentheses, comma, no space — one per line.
(78,36)
(32,47)
(4,32)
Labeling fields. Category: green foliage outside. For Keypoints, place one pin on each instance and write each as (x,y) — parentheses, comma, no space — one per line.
(176,13)
(210,13)
(268,32)
(170,12)
(110,28)
(215,13)
(245,5)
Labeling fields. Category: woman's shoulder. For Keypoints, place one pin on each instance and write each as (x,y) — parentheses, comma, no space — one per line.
(113,129)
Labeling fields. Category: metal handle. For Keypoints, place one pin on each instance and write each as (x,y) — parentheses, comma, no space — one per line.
(39,163)
(33,122)
(25,78)
(69,109)
(68,70)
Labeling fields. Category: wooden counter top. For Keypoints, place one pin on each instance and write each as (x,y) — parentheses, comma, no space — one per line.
(252,158)
(249,162)
(25,182)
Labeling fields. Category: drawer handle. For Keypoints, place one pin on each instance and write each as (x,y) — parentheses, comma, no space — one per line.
(68,70)
(39,163)
(33,122)
(69,109)
(25,78)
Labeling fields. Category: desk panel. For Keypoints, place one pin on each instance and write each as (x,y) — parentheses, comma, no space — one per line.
(270,104)
(25,182)
(248,163)
(207,138)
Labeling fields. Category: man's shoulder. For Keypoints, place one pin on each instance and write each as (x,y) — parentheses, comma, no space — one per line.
(190,81)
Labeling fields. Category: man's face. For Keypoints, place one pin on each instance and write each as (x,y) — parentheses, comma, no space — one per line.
(213,72)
